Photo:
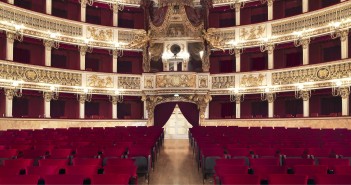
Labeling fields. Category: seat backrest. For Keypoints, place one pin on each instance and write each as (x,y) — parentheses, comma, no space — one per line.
(240,179)
(110,179)
(310,170)
(225,170)
(42,170)
(265,170)
(332,179)
(21,163)
(238,162)
(84,170)
(264,161)
(54,162)
(8,153)
(87,161)
(63,179)
(280,179)
(19,179)
(342,170)
(290,162)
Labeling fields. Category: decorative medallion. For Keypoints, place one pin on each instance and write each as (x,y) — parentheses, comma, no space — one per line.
(323,73)
(31,75)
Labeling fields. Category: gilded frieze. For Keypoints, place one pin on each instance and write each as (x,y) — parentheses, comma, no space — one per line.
(149,82)
(100,81)
(176,81)
(312,74)
(33,74)
(203,81)
(128,82)
(253,32)
(100,34)
(252,80)
(222,82)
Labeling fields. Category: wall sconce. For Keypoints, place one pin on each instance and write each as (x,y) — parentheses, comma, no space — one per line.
(235,96)
(338,89)
(300,39)
(268,96)
(266,45)
(87,46)
(301,92)
(335,28)
(117,97)
(18,34)
(118,51)
(236,48)
(17,89)
(115,6)
(54,37)
(88,2)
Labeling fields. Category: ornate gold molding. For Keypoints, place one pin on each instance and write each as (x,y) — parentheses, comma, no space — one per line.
(100,34)
(9,93)
(176,81)
(344,92)
(100,81)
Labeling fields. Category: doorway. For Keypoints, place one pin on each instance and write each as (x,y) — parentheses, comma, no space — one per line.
(177,126)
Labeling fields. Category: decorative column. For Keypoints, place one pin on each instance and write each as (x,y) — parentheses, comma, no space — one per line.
(114,61)
(202,102)
(305,51)
(48,46)
(115,7)
(10,39)
(238,100)
(48,7)
(47,99)
(185,65)
(270,99)
(11,1)
(83,50)
(114,106)
(83,10)
(345,94)
(304,6)
(9,93)
(344,38)
(305,95)
(237,6)
(270,50)
(151,102)
(270,9)
(237,60)
(82,99)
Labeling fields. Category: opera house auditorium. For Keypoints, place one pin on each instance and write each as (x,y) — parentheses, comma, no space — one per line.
(175,92)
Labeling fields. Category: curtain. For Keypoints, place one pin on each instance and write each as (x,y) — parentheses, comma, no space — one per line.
(163,112)
(190,112)
(158,15)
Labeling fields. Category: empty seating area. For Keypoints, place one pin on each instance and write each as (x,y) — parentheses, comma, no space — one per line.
(116,155)
(234,155)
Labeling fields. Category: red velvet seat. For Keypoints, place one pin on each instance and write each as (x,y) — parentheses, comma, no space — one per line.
(292,179)
(231,162)
(310,170)
(265,170)
(87,161)
(19,179)
(332,162)
(113,152)
(84,170)
(342,170)
(239,152)
(293,152)
(332,179)
(130,170)
(64,179)
(240,179)
(54,162)
(120,179)
(264,161)
(289,163)
(86,152)
(8,153)
(60,153)
(264,152)
(42,170)
(5,171)
(221,171)
(20,163)
(119,162)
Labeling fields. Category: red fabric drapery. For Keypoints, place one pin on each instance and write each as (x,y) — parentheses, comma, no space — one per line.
(164,111)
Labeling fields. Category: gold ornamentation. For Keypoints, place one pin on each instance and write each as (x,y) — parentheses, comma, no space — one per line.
(100,81)
(223,82)
(323,73)
(148,82)
(82,98)
(126,82)
(9,93)
(47,96)
(141,39)
(254,32)
(206,60)
(252,81)
(344,34)
(213,38)
(31,75)
(344,92)
(270,97)
(176,81)
(100,34)
(203,81)
(10,36)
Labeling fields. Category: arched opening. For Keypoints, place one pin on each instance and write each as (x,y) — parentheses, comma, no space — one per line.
(176,118)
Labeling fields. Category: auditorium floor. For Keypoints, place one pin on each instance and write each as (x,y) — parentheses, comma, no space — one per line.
(175,166)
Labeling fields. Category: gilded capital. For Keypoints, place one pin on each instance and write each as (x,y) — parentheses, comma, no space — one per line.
(10,36)
(114,100)
(344,34)
(9,93)
(47,96)
(82,98)
(238,98)
(270,97)
(305,43)
(344,92)
(83,50)
(48,44)
(305,95)
(270,2)
(270,48)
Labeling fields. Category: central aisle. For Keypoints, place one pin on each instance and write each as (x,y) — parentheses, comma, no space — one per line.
(175,165)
